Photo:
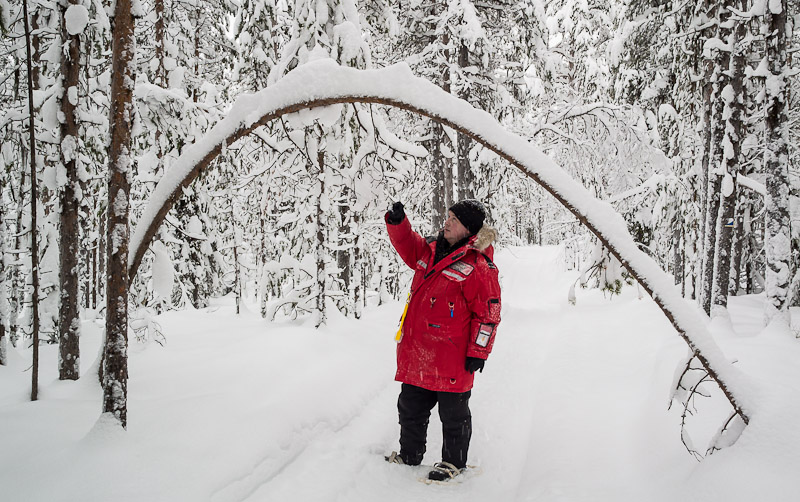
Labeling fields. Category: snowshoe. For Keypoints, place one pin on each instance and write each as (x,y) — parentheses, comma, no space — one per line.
(394,458)
(444,471)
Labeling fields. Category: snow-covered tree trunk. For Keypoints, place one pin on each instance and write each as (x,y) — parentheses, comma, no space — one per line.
(160,31)
(438,164)
(69,308)
(237,278)
(737,246)
(732,96)
(710,239)
(464,143)
(319,313)
(776,162)
(17,274)
(445,143)
(677,255)
(237,281)
(719,80)
(262,258)
(344,257)
(34,200)
(120,164)
(707,207)
(3,285)
(101,261)
(359,276)
(160,72)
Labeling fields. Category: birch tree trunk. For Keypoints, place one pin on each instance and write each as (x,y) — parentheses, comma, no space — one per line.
(115,381)
(69,308)
(776,161)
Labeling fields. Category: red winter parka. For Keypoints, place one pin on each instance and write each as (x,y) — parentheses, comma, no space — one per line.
(453,309)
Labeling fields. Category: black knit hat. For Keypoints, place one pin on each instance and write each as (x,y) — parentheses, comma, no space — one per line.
(470,213)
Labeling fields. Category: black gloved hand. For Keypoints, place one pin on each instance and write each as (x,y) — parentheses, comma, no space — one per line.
(474,364)
(396,214)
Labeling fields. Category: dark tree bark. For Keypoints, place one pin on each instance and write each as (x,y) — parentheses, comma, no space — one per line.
(34,201)
(719,80)
(262,256)
(3,289)
(709,206)
(120,163)
(320,245)
(737,246)
(359,269)
(160,31)
(709,241)
(237,281)
(343,253)
(161,72)
(733,134)
(776,162)
(100,272)
(69,307)
(677,254)
(237,286)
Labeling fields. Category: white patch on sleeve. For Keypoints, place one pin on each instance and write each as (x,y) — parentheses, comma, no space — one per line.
(484,334)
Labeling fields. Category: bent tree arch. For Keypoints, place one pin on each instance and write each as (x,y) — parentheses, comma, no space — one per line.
(323,83)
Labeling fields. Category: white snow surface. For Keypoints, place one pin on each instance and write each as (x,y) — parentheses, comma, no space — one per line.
(324,79)
(572,406)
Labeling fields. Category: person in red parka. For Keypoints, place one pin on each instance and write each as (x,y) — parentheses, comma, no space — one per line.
(447,330)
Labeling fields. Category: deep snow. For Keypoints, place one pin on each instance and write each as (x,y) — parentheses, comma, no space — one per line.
(572,406)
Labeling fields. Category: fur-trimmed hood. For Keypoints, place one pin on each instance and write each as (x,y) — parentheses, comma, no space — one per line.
(484,238)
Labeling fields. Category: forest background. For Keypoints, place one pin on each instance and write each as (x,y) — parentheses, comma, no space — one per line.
(682,115)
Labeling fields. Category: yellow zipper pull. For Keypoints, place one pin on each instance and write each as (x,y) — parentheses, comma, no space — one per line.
(399,335)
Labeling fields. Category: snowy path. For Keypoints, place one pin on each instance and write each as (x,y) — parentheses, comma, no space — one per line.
(571,407)
(555,401)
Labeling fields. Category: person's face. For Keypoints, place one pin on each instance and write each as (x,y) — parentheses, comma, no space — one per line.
(454,231)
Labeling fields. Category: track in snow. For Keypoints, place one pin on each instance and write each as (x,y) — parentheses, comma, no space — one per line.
(570,401)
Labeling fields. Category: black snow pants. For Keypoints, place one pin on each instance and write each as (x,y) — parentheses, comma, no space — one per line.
(414,406)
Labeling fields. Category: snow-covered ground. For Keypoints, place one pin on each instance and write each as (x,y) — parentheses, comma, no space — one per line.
(572,406)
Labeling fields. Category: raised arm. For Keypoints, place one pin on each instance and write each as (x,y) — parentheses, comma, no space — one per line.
(409,245)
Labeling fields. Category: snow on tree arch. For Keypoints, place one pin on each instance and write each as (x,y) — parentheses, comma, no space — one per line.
(323,83)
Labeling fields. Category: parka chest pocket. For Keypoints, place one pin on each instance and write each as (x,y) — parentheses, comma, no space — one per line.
(442,309)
